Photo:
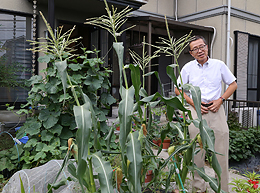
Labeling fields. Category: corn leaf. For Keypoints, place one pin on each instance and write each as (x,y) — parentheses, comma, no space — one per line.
(104,171)
(135,157)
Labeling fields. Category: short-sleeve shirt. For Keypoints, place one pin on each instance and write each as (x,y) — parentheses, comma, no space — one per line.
(208,77)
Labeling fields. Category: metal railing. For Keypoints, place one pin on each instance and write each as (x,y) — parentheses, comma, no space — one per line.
(246,112)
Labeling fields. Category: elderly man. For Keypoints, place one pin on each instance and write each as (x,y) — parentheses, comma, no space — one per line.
(208,74)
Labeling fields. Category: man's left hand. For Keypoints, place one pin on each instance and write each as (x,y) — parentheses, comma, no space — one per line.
(215,106)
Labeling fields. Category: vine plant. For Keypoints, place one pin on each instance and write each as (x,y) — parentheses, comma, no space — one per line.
(50,119)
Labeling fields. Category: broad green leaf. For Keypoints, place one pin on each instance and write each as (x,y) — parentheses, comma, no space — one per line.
(178,127)
(44,114)
(65,97)
(47,148)
(35,79)
(107,98)
(50,122)
(46,58)
(104,171)
(33,128)
(108,138)
(206,133)
(84,124)
(39,155)
(6,164)
(66,134)
(125,112)
(75,67)
(46,135)
(77,78)
(94,83)
(38,87)
(135,77)
(56,129)
(134,155)
(51,71)
(119,48)
(159,80)
(178,149)
(212,181)
(52,85)
(94,120)
(72,169)
(171,73)
(31,143)
(217,168)
(175,103)
(196,97)
(143,93)
(62,70)
(66,119)
(39,146)
(55,142)
(21,184)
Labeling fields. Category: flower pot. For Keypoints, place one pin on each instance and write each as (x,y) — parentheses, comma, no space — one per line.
(166,143)
(155,141)
(148,176)
(118,128)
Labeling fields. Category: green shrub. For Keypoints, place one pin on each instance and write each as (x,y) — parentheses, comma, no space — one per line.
(243,144)
(233,121)
(51,122)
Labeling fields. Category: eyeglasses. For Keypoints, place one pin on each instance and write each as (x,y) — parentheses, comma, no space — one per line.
(201,47)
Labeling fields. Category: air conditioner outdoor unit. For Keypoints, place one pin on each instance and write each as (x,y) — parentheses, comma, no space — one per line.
(247,116)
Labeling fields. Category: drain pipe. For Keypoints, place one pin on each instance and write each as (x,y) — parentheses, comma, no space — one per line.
(228,37)
(212,41)
(176,10)
(228,34)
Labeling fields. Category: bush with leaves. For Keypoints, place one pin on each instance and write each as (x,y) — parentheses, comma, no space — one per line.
(243,144)
(9,72)
(233,121)
(51,121)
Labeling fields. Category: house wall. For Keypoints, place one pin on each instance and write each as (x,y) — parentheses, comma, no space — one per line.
(16,5)
(161,7)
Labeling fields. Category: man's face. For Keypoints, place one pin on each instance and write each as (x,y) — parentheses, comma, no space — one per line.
(199,50)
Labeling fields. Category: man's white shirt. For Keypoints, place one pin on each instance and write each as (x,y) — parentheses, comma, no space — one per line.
(208,77)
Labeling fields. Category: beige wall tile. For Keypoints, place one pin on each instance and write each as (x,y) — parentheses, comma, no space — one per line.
(16,5)
(151,6)
(253,6)
(208,4)
(166,7)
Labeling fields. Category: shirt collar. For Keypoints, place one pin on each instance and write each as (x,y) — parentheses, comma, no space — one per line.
(206,63)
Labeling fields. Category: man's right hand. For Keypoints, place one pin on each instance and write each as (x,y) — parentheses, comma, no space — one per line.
(204,110)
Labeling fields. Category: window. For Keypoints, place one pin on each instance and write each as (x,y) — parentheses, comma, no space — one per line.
(252,69)
(247,66)
(14,31)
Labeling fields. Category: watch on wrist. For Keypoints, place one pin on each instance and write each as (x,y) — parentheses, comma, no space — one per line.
(223,99)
